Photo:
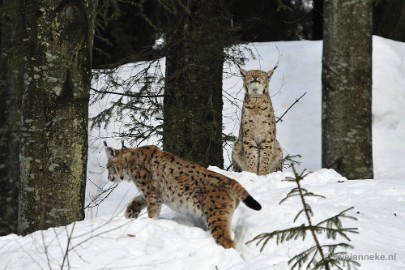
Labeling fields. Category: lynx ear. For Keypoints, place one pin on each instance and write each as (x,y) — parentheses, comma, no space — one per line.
(242,72)
(270,73)
(110,152)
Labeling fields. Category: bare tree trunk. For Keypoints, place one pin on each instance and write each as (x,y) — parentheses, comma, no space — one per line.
(193,87)
(389,19)
(53,152)
(317,28)
(347,88)
(10,99)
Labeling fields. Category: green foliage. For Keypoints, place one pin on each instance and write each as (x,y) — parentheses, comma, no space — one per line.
(315,256)
(291,159)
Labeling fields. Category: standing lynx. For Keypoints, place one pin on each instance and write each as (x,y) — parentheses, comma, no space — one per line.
(257,149)
(189,188)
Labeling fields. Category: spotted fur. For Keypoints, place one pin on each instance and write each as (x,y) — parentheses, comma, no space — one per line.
(164,178)
(257,149)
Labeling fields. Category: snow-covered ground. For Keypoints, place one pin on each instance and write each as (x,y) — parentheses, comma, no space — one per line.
(106,240)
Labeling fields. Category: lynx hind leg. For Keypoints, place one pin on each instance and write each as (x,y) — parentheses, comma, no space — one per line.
(218,217)
(238,162)
(236,167)
(135,207)
(277,164)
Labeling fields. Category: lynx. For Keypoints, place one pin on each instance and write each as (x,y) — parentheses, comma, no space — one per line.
(257,149)
(164,178)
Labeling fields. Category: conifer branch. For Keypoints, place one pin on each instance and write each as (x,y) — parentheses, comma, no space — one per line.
(315,256)
(308,214)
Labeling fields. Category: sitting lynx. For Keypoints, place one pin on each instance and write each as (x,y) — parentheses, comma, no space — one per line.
(162,177)
(257,150)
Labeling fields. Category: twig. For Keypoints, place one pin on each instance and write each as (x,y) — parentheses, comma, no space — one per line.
(95,201)
(66,255)
(279,57)
(124,94)
(295,102)
(46,250)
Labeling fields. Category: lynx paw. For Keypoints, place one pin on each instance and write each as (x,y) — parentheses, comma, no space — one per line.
(131,212)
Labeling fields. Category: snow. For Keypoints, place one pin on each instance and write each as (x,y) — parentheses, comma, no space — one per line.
(106,240)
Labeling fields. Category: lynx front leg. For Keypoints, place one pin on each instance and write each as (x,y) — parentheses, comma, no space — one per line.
(266,156)
(154,204)
(135,207)
(151,194)
(252,156)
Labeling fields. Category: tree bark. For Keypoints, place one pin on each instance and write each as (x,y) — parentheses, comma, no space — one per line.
(347,88)
(193,85)
(53,151)
(10,99)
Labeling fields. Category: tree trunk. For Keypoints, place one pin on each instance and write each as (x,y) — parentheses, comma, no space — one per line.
(10,99)
(317,18)
(389,19)
(53,151)
(346,88)
(193,87)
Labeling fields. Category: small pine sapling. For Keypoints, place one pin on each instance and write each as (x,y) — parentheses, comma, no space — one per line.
(288,160)
(315,256)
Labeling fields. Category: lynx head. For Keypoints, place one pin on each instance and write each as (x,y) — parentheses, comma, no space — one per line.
(115,172)
(256,82)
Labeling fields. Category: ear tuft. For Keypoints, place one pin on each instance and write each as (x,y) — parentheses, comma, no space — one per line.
(105,143)
(270,73)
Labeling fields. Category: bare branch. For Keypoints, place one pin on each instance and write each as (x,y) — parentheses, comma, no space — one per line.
(289,108)
(126,94)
